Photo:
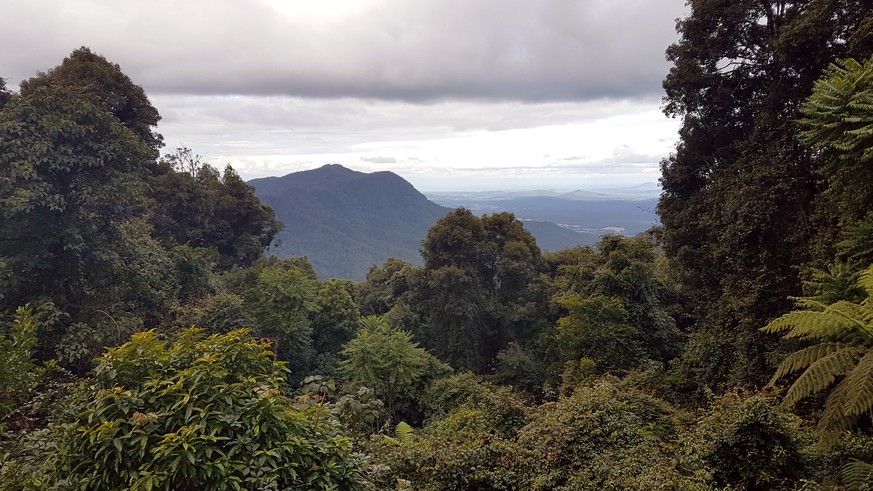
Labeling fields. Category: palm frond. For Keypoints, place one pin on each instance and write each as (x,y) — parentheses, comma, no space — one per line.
(866,281)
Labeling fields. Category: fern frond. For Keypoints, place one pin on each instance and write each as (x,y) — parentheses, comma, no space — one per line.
(810,303)
(859,387)
(404,431)
(804,358)
(866,281)
(807,324)
(822,373)
(834,420)
(857,474)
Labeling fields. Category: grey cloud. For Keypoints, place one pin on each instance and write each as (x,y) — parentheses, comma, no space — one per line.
(379,160)
(426,50)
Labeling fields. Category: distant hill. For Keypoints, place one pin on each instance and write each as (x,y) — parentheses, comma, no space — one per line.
(344,221)
(578,211)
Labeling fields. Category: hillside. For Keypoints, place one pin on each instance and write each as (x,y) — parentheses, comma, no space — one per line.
(344,221)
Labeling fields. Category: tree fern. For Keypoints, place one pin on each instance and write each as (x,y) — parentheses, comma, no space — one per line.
(841,359)
(856,474)
(839,113)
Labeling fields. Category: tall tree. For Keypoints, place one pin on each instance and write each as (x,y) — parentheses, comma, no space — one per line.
(736,205)
(195,205)
(479,288)
(109,87)
(71,177)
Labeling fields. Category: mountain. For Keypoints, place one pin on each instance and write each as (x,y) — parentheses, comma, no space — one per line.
(344,220)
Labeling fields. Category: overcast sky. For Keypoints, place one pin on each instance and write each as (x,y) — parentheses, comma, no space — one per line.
(450,94)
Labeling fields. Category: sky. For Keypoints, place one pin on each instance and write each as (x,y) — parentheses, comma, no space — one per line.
(453,95)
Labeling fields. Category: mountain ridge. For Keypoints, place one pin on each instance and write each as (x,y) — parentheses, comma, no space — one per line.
(344,221)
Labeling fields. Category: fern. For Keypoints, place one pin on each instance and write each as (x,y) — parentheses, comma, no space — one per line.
(857,475)
(804,358)
(841,359)
(404,432)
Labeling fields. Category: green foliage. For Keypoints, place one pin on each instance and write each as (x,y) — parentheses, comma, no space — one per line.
(388,361)
(219,313)
(617,310)
(18,372)
(479,288)
(5,95)
(281,300)
(90,73)
(383,287)
(197,206)
(198,413)
(740,209)
(575,443)
(746,442)
(598,328)
(838,120)
(843,337)
(334,317)
(72,228)
(839,113)
(463,445)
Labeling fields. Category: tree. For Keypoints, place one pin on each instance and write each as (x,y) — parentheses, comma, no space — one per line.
(386,360)
(71,199)
(281,301)
(479,288)
(842,353)
(197,413)
(197,206)
(384,286)
(334,317)
(739,191)
(618,308)
(89,73)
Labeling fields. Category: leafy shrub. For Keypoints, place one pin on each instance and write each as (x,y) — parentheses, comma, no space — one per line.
(203,413)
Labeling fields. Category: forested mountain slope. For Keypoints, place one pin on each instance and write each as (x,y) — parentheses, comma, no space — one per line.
(345,221)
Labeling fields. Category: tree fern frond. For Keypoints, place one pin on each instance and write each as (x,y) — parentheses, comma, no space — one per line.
(834,420)
(859,387)
(866,281)
(804,358)
(857,474)
(822,373)
(807,324)
(810,303)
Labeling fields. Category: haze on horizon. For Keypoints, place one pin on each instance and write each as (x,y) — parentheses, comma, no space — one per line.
(449,94)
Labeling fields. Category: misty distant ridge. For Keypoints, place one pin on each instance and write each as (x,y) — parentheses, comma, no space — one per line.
(646,190)
(344,221)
